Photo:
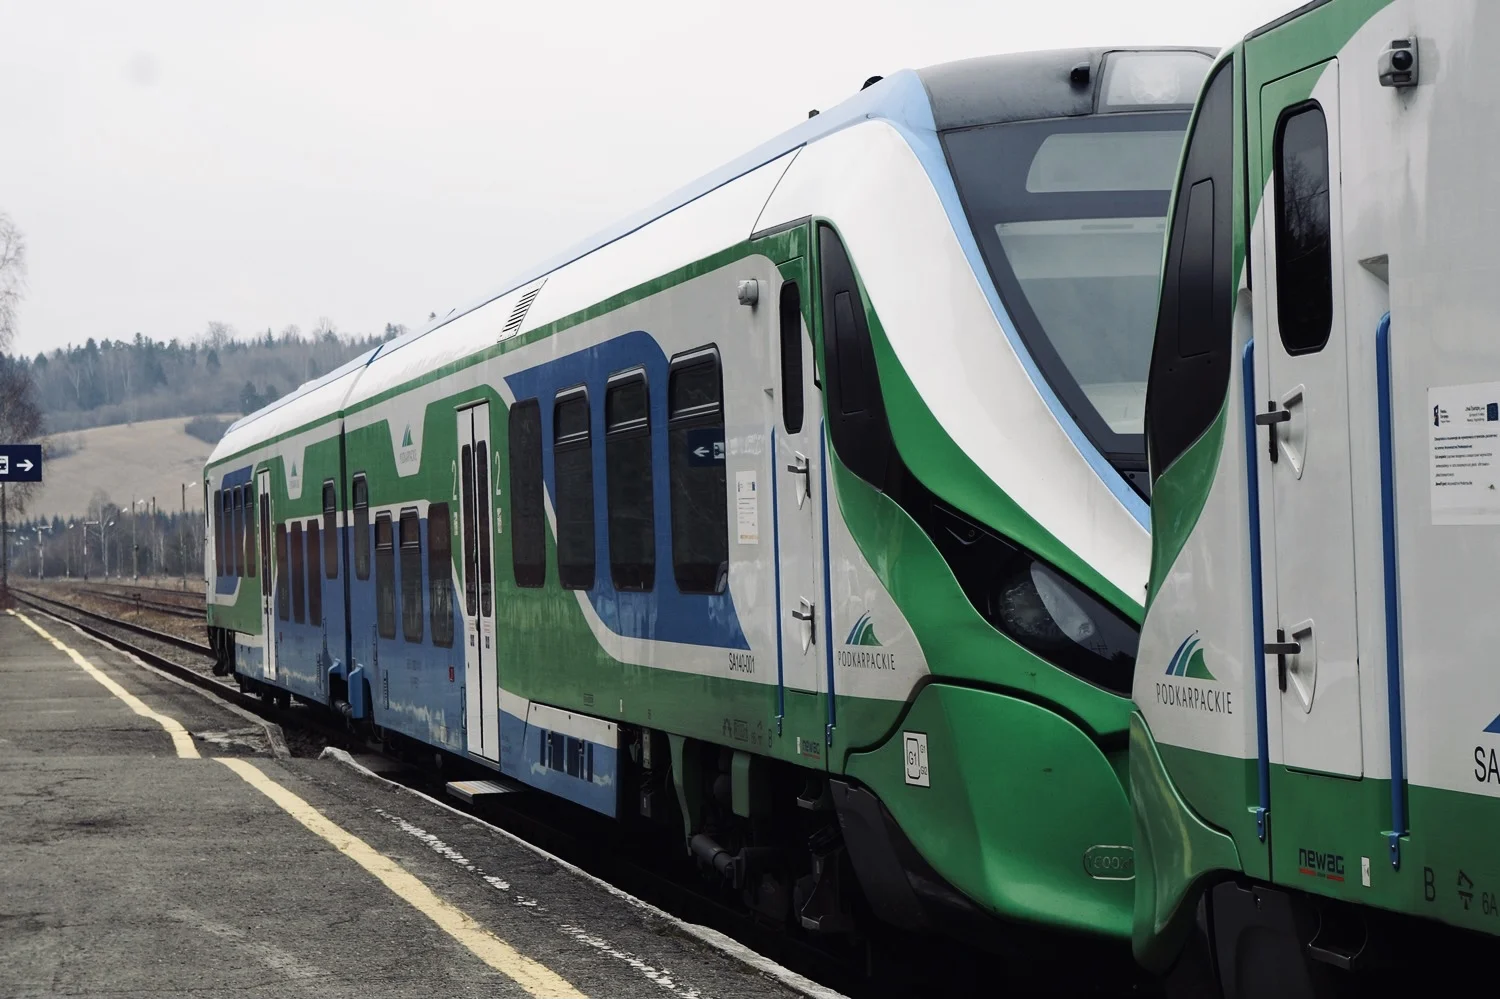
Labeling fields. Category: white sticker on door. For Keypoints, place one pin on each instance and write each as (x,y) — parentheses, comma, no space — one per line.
(1463,427)
(746,508)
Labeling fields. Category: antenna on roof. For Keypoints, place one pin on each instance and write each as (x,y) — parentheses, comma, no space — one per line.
(813,113)
(871,82)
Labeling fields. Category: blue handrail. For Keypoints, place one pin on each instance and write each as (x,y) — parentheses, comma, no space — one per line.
(1392,590)
(1257,603)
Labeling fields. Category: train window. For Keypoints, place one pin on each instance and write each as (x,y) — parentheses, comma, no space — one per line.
(361,528)
(330,530)
(628,486)
(484,524)
(219,532)
(573,462)
(856,410)
(700,502)
(528,523)
(299,579)
(283,582)
(411,576)
(440,573)
(247,563)
(471,547)
(314,575)
(385,577)
(1191,359)
(236,546)
(1304,260)
(791,357)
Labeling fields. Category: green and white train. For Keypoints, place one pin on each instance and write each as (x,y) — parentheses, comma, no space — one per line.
(805,514)
(1313,768)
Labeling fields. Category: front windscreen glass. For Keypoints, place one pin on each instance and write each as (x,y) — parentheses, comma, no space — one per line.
(1070,215)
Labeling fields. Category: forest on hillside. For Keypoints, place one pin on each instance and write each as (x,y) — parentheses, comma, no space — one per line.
(105,382)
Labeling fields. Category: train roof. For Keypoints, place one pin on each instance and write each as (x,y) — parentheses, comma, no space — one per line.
(968,92)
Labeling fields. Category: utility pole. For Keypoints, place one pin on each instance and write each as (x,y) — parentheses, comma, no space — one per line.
(182,538)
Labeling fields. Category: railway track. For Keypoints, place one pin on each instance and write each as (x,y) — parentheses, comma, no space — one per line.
(191,609)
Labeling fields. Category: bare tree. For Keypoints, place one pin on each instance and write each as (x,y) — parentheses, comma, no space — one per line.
(12,277)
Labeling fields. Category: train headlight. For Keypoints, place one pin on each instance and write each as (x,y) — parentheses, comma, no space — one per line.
(1067,626)
(1152,79)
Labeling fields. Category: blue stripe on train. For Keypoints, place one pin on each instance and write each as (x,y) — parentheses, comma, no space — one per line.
(664,614)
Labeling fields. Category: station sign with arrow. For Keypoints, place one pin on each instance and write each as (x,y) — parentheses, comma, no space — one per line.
(20,463)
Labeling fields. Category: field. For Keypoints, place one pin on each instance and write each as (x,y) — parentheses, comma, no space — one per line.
(140,460)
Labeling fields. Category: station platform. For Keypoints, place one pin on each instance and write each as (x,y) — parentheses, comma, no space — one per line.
(153,841)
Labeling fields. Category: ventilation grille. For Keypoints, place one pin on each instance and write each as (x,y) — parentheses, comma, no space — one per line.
(518,314)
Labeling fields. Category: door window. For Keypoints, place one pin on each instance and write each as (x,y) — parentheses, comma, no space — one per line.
(482,526)
(1304,259)
(249,561)
(361,528)
(790,320)
(330,530)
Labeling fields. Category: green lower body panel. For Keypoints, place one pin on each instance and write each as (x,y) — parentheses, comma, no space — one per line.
(1011,804)
(1174,851)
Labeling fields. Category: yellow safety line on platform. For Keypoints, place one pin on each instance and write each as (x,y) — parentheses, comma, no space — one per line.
(181,740)
(535,978)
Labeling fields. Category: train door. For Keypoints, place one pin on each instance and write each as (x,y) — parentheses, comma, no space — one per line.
(797,474)
(267,572)
(1305,410)
(481,682)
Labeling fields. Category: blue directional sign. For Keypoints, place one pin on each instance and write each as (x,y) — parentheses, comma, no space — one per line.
(20,463)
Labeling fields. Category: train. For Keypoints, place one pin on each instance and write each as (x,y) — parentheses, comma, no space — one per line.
(802,517)
(1313,759)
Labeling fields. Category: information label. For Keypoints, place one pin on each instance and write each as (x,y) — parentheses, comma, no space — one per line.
(1463,426)
(20,463)
(746,508)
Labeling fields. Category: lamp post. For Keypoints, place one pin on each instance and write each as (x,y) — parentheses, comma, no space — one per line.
(41,555)
(135,548)
(86,525)
(104,543)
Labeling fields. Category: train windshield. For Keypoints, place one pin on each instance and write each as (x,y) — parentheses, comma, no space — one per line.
(1071,215)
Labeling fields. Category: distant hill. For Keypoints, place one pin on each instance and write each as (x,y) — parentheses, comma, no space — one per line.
(120,381)
(139,460)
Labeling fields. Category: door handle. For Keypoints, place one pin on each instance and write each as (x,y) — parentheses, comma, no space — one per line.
(1281,648)
(806,614)
(801,467)
(1269,419)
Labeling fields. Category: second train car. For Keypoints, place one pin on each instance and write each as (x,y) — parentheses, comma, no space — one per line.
(804,514)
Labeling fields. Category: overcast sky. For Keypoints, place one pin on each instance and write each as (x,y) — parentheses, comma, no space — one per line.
(373,161)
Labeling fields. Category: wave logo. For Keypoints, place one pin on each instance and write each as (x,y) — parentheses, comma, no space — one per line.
(863,632)
(406,437)
(1188,662)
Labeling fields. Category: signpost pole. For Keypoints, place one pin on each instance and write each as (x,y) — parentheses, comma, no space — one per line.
(4,552)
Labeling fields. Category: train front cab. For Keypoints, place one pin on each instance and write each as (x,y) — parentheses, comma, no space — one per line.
(994,801)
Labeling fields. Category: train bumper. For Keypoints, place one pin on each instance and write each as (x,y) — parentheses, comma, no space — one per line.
(1010,804)
(1175,852)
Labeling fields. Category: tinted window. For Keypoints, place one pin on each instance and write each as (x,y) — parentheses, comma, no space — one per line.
(573,459)
(236,519)
(699,499)
(1070,216)
(385,577)
(1304,263)
(628,480)
(483,525)
(314,575)
(219,532)
(283,581)
(411,576)
(528,523)
(440,572)
(299,580)
(791,357)
(248,563)
(471,546)
(1190,361)
(330,530)
(361,528)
